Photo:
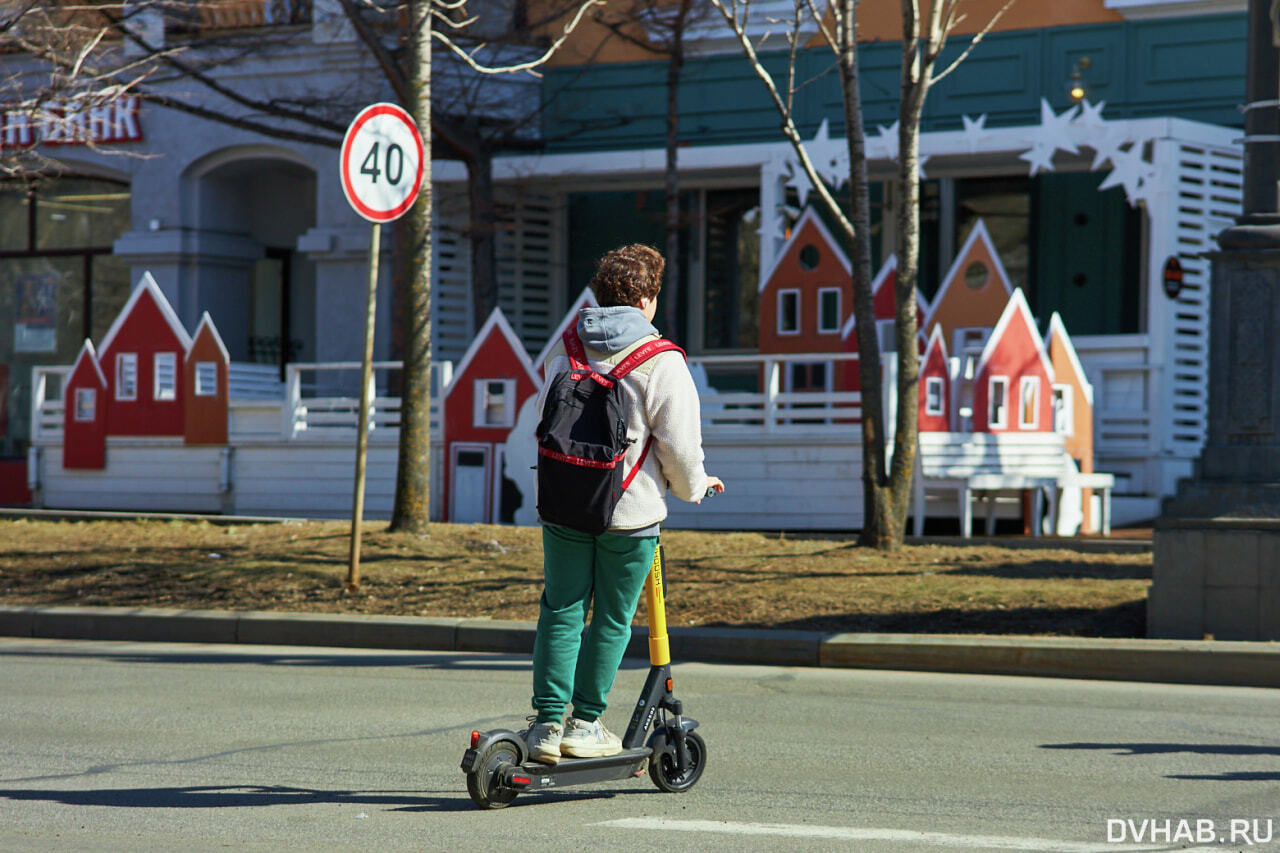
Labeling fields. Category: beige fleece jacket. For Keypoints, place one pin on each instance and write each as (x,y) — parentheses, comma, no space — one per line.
(661,400)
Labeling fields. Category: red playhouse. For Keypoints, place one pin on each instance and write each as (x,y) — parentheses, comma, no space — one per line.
(493,380)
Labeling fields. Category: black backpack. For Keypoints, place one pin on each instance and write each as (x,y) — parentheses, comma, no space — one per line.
(582,439)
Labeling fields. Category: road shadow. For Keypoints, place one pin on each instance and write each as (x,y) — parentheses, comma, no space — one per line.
(1170,748)
(246,796)
(258,796)
(443,660)
(1241,776)
(1235,749)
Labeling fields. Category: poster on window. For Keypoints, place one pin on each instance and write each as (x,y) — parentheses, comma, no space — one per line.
(36,317)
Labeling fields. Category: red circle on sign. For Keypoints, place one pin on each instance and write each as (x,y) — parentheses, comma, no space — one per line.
(348,141)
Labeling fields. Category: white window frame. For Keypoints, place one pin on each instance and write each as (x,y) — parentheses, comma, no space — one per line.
(481,403)
(1064,417)
(206,376)
(126,376)
(932,384)
(782,294)
(1003,421)
(822,292)
(165,393)
(1032,382)
(86,405)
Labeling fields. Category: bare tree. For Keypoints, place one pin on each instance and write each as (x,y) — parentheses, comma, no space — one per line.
(886,480)
(664,27)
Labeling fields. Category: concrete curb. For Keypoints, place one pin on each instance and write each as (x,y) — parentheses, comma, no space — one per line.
(1167,661)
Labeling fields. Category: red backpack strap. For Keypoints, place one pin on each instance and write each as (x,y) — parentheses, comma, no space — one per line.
(639,463)
(641,354)
(580,368)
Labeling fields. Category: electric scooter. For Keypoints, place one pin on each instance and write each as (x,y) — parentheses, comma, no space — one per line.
(498,766)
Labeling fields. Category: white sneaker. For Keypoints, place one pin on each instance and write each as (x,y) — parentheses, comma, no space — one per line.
(589,740)
(543,741)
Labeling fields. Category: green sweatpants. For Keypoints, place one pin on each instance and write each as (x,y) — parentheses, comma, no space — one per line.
(579,569)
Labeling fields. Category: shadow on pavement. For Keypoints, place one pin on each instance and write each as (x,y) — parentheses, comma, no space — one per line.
(302,658)
(221,796)
(1169,748)
(251,796)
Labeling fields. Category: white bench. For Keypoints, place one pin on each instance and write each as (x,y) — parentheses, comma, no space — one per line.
(983,466)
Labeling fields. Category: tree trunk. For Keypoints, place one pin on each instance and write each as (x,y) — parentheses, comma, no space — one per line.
(876,531)
(412,510)
(915,77)
(671,310)
(482,230)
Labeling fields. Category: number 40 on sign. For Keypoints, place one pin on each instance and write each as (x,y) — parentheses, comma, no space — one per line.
(382,162)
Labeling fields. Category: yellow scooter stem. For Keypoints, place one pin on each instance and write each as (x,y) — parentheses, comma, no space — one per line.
(659,648)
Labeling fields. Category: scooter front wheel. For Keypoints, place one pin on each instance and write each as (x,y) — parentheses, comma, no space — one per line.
(668,777)
(484,781)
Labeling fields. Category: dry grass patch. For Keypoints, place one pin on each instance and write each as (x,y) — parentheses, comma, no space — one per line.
(714,579)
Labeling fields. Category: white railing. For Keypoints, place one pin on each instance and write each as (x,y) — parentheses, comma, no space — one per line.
(1126,388)
(771,410)
(249,381)
(48,407)
(319,402)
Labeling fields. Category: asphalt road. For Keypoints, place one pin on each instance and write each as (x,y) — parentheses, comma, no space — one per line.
(130,746)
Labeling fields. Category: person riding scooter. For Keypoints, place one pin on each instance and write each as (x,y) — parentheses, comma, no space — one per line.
(659,425)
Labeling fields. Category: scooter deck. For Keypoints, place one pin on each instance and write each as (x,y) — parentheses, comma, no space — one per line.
(578,771)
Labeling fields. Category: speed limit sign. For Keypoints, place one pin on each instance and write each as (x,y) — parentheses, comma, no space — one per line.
(382,162)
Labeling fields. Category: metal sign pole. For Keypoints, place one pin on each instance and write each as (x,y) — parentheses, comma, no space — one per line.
(362,430)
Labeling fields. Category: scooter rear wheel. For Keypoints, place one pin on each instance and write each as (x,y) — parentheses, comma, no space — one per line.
(484,782)
(665,774)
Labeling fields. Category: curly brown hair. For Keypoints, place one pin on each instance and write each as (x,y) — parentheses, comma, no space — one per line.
(627,275)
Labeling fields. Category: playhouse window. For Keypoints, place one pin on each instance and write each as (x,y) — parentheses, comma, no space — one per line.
(933,395)
(206,378)
(1029,402)
(166,376)
(829,309)
(86,404)
(127,376)
(495,403)
(788,312)
(998,402)
(1063,410)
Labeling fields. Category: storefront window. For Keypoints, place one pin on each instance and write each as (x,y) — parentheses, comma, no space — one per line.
(14,225)
(58,282)
(733,269)
(73,213)
(1004,205)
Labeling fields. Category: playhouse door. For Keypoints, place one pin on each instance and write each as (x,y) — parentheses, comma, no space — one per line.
(469,502)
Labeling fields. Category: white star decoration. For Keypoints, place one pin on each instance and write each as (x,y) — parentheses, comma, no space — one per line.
(886,143)
(1040,156)
(826,154)
(799,181)
(1132,172)
(1081,125)
(974,132)
(1051,135)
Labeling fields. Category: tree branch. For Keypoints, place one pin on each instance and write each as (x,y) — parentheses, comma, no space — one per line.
(973,42)
(469,58)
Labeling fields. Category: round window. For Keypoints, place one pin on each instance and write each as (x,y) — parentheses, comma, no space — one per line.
(976,275)
(809,257)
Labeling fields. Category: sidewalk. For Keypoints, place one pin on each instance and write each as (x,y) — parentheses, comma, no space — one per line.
(1166,661)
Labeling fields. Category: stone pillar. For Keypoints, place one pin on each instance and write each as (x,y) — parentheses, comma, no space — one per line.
(1217,546)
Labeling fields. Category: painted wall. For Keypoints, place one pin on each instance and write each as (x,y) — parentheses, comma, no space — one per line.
(1183,67)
